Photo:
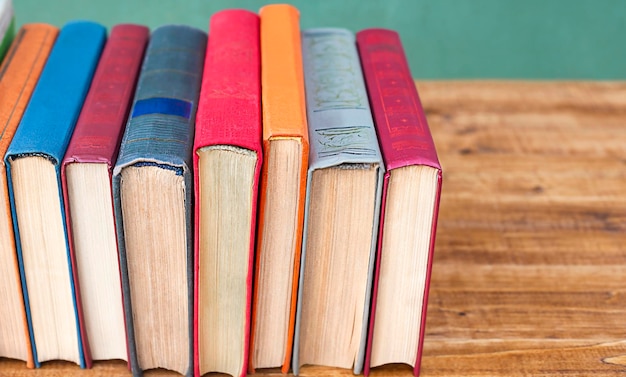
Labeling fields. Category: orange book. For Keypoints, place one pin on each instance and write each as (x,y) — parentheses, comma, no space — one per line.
(283,186)
(19,73)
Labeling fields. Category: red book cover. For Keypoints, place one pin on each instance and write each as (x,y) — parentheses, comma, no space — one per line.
(100,126)
(229,114)
(404,138)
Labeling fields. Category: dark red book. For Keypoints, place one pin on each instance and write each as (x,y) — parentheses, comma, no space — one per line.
(86,181)
(410,204)
(227,163)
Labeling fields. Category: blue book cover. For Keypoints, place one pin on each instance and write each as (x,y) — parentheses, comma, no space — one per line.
(157,146)
(33,171)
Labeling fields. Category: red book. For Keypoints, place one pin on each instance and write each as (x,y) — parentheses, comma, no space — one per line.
(86,181)
(410,204)
(227,164)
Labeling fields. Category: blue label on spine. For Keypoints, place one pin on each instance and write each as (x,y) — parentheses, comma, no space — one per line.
(160,105)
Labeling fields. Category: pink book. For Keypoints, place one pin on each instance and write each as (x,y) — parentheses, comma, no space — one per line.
(410,204)
(95,143)
(227,164)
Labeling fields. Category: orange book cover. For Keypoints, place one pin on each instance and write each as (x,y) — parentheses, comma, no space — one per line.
(19,73)
(284,118)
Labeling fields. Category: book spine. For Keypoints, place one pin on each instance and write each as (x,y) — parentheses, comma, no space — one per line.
(229,113)
(282,74)
(70,66)
(160,132)
(284,114)
(48,122)
(230,98)
(101,123)
(18,76)
(403,131)
(165,100)
(99,127)
(341,128)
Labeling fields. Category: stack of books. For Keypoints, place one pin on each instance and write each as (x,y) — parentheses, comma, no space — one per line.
(263,198)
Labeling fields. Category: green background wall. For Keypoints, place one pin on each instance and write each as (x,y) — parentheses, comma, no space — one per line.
(444,39)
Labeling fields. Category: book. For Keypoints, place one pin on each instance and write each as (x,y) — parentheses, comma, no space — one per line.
(86,182)
(7,26)
(227,162)
(411,192)
(153,202)
(281,206)
(342,206)
(18,76)
(34,183)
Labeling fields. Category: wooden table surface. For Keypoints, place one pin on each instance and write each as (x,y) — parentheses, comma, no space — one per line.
(529,275)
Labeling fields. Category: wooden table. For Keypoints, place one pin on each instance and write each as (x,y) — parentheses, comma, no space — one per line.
(529,276)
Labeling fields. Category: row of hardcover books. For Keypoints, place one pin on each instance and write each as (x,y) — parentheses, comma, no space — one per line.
(264,197)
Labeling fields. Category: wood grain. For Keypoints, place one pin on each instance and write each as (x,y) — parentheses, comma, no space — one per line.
(529,276)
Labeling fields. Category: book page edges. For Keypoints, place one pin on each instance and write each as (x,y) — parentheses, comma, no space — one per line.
(260,226)
(361,354)
(418,357)
(16,266)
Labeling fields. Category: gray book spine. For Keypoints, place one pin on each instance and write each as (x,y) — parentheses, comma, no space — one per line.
(160,132)
(341,131)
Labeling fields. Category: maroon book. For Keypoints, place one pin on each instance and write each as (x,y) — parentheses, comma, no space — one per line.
(227,158)
(86,182)
(410,204)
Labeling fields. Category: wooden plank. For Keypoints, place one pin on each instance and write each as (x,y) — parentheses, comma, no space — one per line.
(530,269)
(597,359)
(529,276)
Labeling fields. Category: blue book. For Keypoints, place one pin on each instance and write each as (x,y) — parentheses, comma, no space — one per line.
(153,196)
(34,183)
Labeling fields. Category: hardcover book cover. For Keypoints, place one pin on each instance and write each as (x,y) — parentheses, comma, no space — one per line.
(228,122)
(405,140)
(159,134)
(96,139)
(18,76)
(44,131)
(341,131)
(284,120)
